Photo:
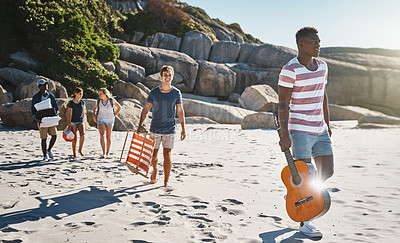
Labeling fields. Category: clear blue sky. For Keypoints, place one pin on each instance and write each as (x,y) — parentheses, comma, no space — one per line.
(350,23)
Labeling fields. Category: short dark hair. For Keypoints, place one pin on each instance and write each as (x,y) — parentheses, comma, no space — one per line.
(166,68)
(303,32)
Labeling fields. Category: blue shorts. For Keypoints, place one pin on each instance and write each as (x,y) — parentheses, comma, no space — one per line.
(76,123)
(305,145)
(107,124)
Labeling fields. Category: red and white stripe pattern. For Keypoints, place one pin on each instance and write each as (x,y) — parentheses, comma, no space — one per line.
(135,151)
(306,112)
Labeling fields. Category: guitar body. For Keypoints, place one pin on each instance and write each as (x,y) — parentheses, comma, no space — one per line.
(304,200)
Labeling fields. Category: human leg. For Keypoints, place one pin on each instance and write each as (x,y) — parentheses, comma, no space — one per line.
(53,133)
(108,138)
(323,157)
(81,129)
(154,161)
(43,136)
(167,164)
(102,129)
(74,129)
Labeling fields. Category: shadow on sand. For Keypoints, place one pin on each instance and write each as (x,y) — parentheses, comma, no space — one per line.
(297,237)
(67,204)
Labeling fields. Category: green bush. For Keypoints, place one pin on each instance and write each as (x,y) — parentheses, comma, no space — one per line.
(70,38)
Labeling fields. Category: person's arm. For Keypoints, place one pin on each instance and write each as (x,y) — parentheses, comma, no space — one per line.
(143,116)
(84,112)
(33,109)
(118,107)
(326,112)
(283,114)
(181,115)
(69,117)
(94,113)
(54,103)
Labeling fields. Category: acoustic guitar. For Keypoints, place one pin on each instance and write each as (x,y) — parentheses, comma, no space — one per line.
(304,200)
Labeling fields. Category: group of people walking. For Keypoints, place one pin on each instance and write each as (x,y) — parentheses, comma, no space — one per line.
(104,115)
(303,114)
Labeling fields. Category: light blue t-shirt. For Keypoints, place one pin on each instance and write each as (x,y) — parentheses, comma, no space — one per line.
(164,110)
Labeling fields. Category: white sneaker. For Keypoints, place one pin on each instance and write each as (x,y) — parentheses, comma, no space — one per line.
(45,159)
(308,228)
(50,154)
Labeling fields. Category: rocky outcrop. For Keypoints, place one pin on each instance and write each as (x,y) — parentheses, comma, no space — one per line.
(18,114)
(129,72)
(224,52)
(197,45)
(338,112)
(164,41)
(259,98)
(152,59)
(197,120)
(109,66)
(25,60)
(383,119)
(216,112)
(5,97)
(16,76)
(90,104)
(266,55)
(29,89)
(247,75)
(154,80)
(125,6)
(214,79)
(129,90)
(258,120)
(128,117)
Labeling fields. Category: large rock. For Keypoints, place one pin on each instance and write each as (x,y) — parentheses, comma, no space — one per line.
(125,6)
(18,114)
(5,97)
(29,89)
(164,41)
(214,79)
(25,60)
(224,52)
(197,120)
(247,75)
(129,72)
(351,84)
(152,59)
(220,113)
(388,120)
(154,80)
(128,117)
(16,76)
(259,98)
(258,120)
(338,112)
(90,104)
(197,45)
(129,90)
(265,55)
(109,66)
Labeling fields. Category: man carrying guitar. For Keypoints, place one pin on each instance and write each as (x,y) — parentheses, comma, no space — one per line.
(303,110)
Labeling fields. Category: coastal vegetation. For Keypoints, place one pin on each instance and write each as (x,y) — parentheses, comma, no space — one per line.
(71,38)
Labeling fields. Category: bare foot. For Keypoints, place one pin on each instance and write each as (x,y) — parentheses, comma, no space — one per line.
(80,152)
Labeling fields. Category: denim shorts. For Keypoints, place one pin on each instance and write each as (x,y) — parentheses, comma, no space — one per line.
(305,145)
(76,123)
(107,124)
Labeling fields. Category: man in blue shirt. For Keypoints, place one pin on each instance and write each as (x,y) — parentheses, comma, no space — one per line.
(39,97)
(166,101)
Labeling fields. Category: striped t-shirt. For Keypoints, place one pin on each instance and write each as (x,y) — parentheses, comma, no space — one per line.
(306,113)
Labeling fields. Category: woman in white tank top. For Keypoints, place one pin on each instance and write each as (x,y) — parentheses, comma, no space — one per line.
(104,116)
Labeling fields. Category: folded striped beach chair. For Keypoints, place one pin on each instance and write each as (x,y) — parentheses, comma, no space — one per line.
(140,152)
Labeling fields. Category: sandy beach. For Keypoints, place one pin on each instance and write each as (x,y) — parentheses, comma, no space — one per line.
(226,187)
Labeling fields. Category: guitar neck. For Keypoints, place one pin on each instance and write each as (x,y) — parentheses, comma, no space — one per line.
(289,158)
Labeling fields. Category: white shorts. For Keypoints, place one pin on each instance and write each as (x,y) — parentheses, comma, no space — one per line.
(166,139)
